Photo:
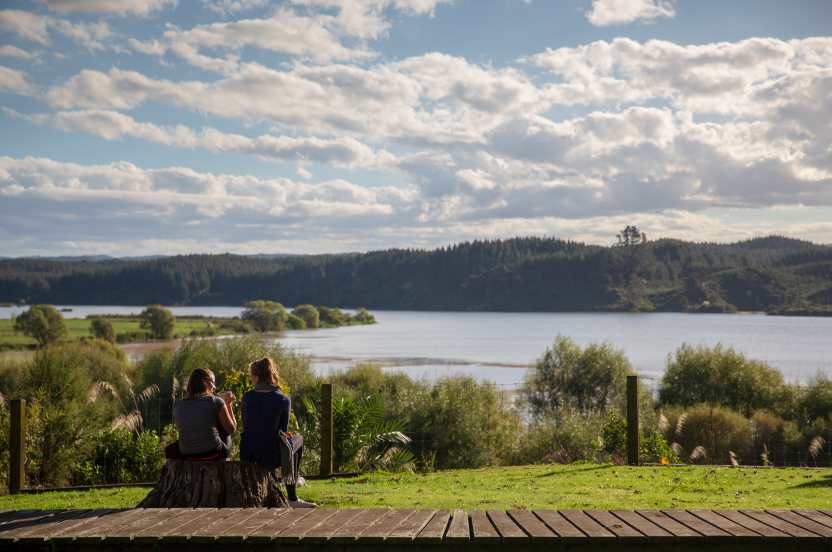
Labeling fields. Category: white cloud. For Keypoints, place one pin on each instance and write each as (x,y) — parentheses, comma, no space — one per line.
(227,7)
(12,80)
(14,52)
(604,13)
(120,7)
(38,28)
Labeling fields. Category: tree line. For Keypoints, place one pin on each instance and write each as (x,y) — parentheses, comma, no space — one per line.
(774,274)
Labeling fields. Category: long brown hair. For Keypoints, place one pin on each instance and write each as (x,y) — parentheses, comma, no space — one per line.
(199,382)
(265,370)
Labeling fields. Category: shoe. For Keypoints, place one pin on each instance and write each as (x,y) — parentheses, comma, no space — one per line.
(302,504)
(301,481)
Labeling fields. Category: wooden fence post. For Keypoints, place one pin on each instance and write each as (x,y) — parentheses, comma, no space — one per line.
(17,446)
(327,437)
(632,421)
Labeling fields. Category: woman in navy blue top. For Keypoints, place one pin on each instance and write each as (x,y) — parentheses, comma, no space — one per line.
(265,412)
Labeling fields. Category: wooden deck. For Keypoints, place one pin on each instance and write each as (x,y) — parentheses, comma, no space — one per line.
(385,529)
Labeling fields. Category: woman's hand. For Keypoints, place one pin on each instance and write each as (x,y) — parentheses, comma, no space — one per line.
(228,397)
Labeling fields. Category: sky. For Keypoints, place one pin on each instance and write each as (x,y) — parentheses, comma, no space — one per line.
(146,127)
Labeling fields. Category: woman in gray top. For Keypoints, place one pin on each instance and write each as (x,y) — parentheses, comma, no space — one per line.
(205,421)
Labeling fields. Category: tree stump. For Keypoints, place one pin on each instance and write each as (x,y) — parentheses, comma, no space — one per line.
(191,484)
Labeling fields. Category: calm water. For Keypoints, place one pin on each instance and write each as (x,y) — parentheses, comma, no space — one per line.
(500,346)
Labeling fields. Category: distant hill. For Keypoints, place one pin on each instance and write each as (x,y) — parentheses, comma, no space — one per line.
(772,274)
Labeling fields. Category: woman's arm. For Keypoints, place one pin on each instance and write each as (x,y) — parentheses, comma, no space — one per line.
(227,420)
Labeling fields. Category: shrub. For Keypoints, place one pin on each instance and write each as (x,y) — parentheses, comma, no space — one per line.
(815,400)
(577,436)
(158,320)
(363,316)
(121,456)
(464,424)
(589,380)
(309,315)
(294,322)
(43,323)
(265,316)
(718,430)
(723,377)
(102,328)
(331,317)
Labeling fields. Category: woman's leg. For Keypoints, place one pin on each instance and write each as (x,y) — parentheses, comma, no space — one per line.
(297,453)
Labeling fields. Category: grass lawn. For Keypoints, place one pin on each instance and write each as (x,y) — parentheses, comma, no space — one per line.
(543,486)
(80,327)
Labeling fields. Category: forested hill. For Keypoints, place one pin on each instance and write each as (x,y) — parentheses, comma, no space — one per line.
(521,274)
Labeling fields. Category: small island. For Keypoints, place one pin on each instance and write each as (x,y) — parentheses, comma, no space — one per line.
(44,324)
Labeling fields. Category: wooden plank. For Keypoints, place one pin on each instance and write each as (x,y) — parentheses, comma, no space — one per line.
(325,531)
(642,525)
(800,521)
(587,525)
(38,525)
(95,532)
(267,532)
(208,531)
(509,531)
(482,530)
(24,519)
(701,526)
(723,523)
(531,525)
(12,515)
(124,534)
(242,529)
(459,529)
(178,524)
(780,525)
(435,529)
(562,527)
(815,516)
(614,525)
(410,528)
(669,524)
(66,530)
(297,530)
(379,530)
(752,524)
(365,518)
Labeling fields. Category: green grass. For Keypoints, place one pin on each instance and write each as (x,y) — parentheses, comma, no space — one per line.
(544,486)
(80,327)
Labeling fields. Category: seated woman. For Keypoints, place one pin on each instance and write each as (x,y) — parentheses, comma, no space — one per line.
(205,421)
(265,412)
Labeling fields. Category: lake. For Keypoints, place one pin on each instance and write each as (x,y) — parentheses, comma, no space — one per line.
(500,346)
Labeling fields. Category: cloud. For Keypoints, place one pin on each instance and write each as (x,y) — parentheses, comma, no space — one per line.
(39,28)
(12,80)
(120,7)
(112,125)
(14,52)
(604,13)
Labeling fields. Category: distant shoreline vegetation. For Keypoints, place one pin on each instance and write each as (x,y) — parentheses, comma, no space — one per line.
(776,275)
(43,324)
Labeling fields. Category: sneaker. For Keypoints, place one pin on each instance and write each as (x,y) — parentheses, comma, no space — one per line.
(302,504)
(301,481)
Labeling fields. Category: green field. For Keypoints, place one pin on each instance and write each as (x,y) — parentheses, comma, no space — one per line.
(541,486)
(80,327)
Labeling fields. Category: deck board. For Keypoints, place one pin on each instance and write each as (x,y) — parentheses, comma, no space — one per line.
(482,530)
(531,524)
(477,530)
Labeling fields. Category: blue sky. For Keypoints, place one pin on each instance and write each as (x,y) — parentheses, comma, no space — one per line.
(138,127)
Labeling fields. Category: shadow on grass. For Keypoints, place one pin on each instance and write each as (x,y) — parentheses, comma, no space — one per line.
(576,470)
(823,483)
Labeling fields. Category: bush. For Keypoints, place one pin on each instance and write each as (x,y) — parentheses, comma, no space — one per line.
(295,322)
(309,315)
(575,437)
(121,456)
(363,316)
(265,316)
(723,377)
(718,430)
(159,320)
(234,325)
(592,379)
(464,424)
(43,323)
(331,317)
(815,401)
(102,328)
